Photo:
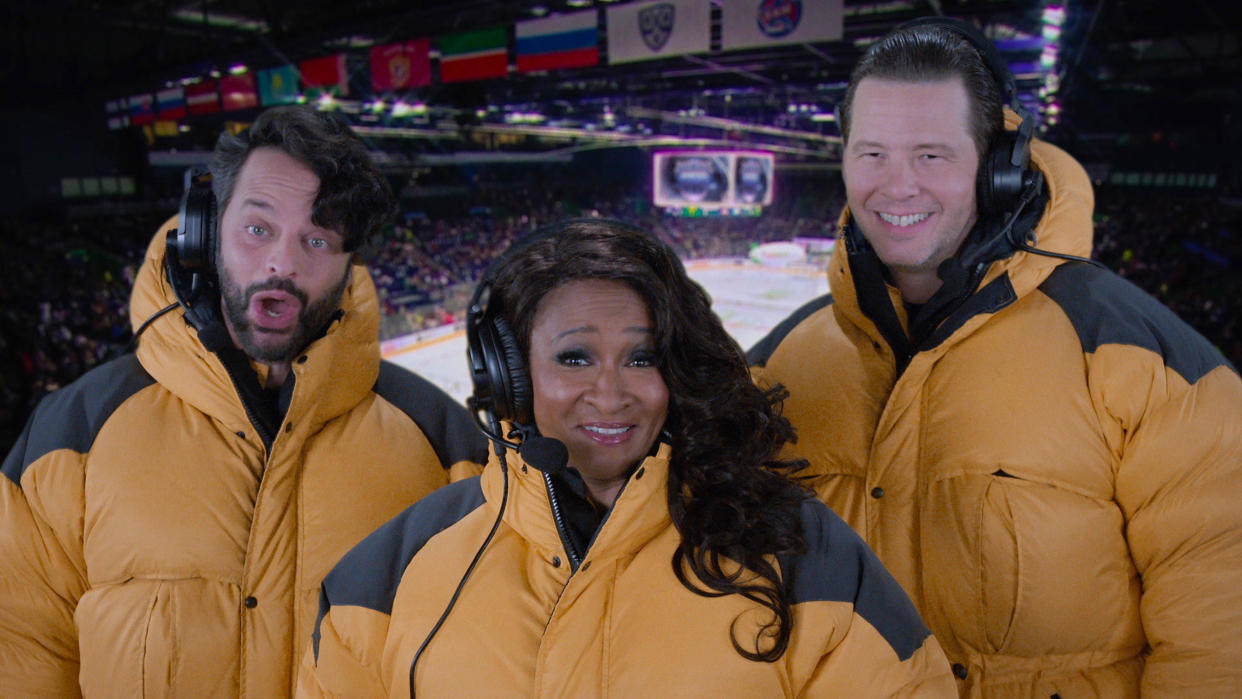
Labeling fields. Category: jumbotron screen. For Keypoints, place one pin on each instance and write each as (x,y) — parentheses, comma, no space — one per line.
(712,182)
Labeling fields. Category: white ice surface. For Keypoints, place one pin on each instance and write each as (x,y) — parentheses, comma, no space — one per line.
(748,297)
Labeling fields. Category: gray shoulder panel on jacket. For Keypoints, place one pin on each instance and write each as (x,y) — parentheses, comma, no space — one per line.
(444,422)
(71,417)
(368,576)
(839,567)
(1105,309)
(762,350)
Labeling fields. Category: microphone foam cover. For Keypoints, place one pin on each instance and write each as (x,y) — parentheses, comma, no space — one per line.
(544,453)
(215,337)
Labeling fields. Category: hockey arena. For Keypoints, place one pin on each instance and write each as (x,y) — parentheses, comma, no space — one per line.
(749,296)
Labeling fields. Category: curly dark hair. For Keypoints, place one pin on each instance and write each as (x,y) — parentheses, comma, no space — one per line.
(354,198)
(728,495)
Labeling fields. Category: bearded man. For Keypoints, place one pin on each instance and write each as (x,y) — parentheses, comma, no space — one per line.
(166,520)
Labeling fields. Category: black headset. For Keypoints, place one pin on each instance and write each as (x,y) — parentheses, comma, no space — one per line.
(189,259)
(190,248)
(1004,171)
(502,387)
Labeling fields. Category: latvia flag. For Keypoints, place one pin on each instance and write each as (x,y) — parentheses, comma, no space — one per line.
(202,98)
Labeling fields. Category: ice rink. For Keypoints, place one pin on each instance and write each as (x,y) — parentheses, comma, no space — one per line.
(750,299)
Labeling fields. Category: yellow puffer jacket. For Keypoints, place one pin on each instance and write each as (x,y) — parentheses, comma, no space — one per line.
(151,543)
(621,625)
(1054,477)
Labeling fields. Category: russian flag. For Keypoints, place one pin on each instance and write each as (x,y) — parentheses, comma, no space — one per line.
(565,41)
(171,103)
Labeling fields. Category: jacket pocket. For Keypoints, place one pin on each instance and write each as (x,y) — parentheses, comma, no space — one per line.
(159,648)
(1000,564)
(1020,568)
(157,638)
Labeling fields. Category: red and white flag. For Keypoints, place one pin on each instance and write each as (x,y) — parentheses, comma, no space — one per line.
(202,98)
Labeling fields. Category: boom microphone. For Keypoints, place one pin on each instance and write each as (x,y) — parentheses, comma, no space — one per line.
(544,453)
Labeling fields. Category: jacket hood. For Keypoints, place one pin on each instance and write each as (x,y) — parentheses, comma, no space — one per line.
(1065,227)
(339,370)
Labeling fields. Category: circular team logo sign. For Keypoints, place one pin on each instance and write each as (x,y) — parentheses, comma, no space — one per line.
(777,18)
(656,24)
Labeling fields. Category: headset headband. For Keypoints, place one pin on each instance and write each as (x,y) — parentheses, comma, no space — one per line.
(987,50)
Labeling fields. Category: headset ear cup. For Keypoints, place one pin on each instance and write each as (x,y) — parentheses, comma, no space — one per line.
(209,234)
(195,240)
(983,183)
(518,398)
(1000,181)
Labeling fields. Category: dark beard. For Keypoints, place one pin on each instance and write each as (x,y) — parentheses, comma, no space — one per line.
(313,319)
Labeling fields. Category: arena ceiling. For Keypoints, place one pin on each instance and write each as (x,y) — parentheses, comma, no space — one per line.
(1125,65)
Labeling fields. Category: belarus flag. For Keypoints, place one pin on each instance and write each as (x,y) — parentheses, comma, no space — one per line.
(326,74)
(565,41)
(474,55)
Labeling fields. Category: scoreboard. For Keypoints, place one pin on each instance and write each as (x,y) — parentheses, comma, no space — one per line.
(712,182)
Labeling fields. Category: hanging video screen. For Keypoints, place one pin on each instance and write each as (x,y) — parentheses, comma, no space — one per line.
(712,181)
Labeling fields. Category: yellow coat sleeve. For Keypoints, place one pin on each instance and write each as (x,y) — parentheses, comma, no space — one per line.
(43,574)
(1179,482)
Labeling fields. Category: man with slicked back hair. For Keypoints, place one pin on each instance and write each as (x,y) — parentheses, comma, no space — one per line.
(1047,459)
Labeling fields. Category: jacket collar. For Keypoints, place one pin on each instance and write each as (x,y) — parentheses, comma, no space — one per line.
(640,512)
(340,368)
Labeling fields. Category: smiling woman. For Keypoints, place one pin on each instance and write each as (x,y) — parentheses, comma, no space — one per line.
(661,551)
(594,379)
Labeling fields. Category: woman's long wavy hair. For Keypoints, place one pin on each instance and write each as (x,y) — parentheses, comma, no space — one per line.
(728,495)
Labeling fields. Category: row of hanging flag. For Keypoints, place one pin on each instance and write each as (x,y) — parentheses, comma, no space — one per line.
(636,32)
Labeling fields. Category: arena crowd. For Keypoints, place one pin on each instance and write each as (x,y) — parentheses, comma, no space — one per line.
(64,288)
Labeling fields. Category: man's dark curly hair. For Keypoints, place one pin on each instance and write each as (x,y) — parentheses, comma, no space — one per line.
(354,199)
(728,496)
